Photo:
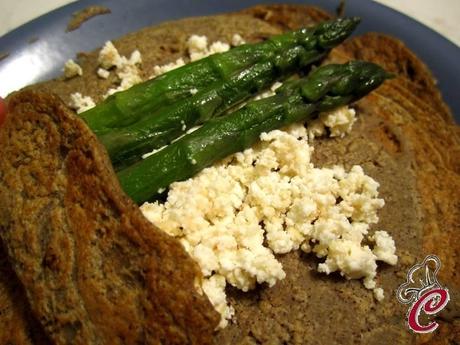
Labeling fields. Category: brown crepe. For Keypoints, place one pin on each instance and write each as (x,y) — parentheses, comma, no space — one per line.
(405,138)
(95,271)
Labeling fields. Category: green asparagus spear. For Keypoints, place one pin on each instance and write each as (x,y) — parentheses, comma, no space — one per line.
(325,88)
(126,145)
(124,108)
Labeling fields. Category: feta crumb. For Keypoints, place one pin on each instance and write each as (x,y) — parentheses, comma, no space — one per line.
(218,47)
(196,43)
(158,70)
(193,91)
(126,69)
(379,294)
(384,248)
(197,47)
(270,92)
(103,73)
(339,122)
(109,56)
(72,69)
(214,288)
(237,40)
(135,58)
(349,258)
(81,103)
(234,216)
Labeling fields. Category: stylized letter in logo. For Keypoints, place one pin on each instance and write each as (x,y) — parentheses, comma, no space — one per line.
(426,294)
(438,299)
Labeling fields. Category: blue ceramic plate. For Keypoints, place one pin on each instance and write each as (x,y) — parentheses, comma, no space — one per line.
(38,50)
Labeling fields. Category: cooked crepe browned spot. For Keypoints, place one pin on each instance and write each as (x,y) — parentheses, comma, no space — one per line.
(405,138)
(94,269)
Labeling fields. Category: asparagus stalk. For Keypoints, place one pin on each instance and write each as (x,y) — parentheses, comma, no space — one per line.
(124,108)
(325,88)
(126,145)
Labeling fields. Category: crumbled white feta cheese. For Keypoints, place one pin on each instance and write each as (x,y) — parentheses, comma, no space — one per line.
(233,217)
(126,69)
(103,73)
(379,294)
(237,40)
(193,91)
(158,70)
(196,43)
(214,288)
(72,69)
(197,47)
(384,248)
(81,103)
(109,56)
(270,92)
(346,256)
(316,129)
(129,76)
(218,47)
(135,58)
(339,122)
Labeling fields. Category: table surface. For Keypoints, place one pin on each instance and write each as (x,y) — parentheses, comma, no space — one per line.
(440,15)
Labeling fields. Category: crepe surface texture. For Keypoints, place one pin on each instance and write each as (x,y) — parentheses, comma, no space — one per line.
(405,138)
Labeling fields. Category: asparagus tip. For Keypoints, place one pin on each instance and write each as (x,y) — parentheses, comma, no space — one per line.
(332,33)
